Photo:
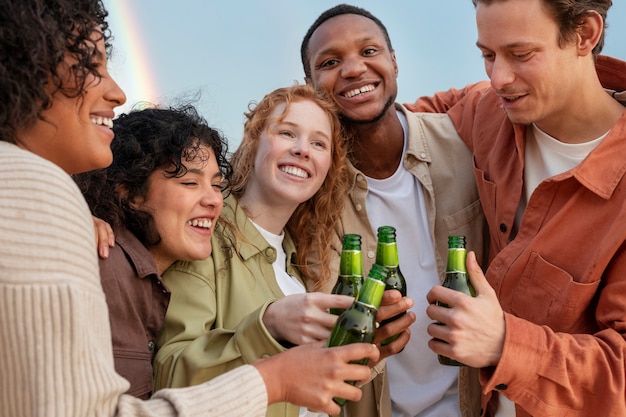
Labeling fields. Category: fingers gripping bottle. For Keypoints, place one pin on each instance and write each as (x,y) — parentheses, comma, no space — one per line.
(387,255)
(350,277)
(456,278)
(358,323)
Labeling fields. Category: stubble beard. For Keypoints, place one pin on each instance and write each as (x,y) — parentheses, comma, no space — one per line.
(347,121)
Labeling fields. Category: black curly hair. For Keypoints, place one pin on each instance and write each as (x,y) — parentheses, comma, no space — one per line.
(35,37)
(147,140)
(339,10)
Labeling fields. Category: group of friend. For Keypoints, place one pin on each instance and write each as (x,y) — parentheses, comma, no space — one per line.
(215,270)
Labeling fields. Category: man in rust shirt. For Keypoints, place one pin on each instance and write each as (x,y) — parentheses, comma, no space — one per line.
(548,325)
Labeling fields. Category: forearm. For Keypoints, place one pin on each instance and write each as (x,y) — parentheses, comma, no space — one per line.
(543,369)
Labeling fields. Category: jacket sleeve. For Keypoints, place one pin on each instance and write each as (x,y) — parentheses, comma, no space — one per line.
(544,371)
(443,101)
(461,106)
(193,348)
(55,337)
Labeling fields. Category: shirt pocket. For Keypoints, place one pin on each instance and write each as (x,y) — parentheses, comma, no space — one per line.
(136,367)
(548,295)
(464,217)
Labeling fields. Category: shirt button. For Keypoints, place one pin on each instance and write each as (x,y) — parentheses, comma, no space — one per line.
(371,254)
(423,155)
(358,207)
(502,227)
(501,387)
(151,346)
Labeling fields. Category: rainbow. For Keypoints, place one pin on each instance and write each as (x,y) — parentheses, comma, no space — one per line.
(130,64)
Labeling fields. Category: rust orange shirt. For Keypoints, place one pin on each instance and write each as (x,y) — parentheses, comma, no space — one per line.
(561,279)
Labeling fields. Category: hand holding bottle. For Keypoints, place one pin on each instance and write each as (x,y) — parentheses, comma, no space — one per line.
(387,255)
(393,304)
(473,330)
(303,318)
(312,375)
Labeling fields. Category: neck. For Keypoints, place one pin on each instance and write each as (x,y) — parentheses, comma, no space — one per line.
(162,263)
(271,217)
(376,148)
(591,114)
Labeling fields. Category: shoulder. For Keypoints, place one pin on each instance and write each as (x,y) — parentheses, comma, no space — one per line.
(428,131)
(44,220)
(24,174)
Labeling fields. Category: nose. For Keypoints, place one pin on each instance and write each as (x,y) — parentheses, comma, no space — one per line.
(301,148)
(114,93)
(353,67)
(212,197)
(500,73)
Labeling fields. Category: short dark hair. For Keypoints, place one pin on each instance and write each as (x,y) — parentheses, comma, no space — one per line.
(35,36)
(568,14)
(145,141)
(338,10)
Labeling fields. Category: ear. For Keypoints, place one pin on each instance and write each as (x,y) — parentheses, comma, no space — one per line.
(395,63)
(589,32)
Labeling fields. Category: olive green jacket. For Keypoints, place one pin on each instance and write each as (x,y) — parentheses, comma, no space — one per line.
(214,320)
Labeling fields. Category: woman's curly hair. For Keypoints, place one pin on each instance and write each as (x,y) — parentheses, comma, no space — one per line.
(35,37)
(315,221)
(146,141)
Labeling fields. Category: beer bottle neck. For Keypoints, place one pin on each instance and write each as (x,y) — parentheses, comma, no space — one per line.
(456,259)
(387,254)
(351,262)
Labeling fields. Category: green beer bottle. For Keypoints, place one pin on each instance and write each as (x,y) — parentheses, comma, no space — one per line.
(387,255)
(350,269)
(358,323)
(456,278)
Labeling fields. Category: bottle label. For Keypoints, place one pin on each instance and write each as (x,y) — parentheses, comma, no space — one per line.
(372,292)
(389,254)
(351,262)
(456,259)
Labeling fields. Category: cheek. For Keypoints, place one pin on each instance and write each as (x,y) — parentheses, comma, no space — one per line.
(323,165)
(219,207)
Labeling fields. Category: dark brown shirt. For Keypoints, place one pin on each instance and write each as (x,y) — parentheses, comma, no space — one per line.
(137,299)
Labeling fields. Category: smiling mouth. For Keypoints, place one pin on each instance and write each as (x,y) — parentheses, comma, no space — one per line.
(295,171)
(102,121)
(202,223)
(359,91)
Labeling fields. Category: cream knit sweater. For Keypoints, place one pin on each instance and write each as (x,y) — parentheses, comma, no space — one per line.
(55,340)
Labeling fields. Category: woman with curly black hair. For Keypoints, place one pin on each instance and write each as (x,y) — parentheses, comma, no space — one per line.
(162,196)
(57,103)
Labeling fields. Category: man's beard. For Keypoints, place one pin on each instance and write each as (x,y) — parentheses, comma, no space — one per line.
(347,120)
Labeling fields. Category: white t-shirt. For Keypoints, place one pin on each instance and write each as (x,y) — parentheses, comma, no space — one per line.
(419,385)
(287,283)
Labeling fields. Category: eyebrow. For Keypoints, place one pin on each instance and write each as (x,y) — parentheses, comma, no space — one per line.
(319,132)
(364,39)
(198,171)
(509,46)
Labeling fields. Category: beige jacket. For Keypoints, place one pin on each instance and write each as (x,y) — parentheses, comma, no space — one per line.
(442,163)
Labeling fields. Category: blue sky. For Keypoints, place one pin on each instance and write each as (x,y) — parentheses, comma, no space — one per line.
(224,54)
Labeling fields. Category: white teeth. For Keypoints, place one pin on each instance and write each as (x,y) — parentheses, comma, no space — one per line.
(298,172)
(357,91)
(205,224)
(105,121)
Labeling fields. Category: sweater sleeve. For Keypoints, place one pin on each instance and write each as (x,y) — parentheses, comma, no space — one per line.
(55,336)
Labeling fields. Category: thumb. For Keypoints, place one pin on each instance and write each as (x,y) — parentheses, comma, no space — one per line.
(477,278)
